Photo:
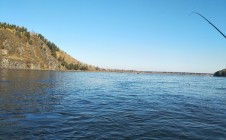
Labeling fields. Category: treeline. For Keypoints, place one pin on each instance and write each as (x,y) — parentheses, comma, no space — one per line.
(78,66)
(19,31)
(51,45)
(72,66)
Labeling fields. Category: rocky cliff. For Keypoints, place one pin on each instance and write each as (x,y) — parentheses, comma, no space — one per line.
(20,49)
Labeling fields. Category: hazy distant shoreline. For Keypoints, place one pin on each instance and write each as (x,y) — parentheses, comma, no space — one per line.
(124,71)
(160,72)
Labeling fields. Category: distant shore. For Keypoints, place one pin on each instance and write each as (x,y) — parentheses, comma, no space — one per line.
(160,72)
(124,71)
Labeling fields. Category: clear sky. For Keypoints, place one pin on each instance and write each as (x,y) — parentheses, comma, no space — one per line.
(153,35)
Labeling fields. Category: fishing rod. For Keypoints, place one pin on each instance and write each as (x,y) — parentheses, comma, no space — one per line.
(209,23)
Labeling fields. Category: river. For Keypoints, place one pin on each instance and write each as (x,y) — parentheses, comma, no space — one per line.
(95,105)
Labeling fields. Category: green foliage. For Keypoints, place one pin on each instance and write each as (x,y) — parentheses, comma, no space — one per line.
(27,34)
(84,68)
(72,66)
(51,45)
(97,68)
(41,37)
(18,31)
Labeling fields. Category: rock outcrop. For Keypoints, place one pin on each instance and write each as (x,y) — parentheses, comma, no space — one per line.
(17,53)
(20,49)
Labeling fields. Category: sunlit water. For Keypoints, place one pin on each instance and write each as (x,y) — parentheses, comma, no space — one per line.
(86,105)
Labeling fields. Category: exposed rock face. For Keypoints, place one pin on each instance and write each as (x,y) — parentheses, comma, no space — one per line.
(17,53)
(3,52)
(12,64)
(21,49)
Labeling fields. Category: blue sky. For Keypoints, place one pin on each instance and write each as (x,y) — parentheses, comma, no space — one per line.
(152,35)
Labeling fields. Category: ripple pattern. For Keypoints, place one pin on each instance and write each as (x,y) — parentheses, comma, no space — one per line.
(89,105)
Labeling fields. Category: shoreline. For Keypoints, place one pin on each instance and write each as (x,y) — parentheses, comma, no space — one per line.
(123,71)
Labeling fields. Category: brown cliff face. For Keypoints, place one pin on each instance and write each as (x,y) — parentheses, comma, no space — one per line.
(17,53)
(20,49)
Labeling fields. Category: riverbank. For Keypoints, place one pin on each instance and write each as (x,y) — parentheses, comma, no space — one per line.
(124,71)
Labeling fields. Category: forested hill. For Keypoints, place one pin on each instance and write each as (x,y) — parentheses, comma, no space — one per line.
(21,49)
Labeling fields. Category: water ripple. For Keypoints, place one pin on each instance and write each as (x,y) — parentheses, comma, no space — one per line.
(86,105)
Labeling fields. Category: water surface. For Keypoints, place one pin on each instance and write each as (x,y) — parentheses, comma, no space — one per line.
(86,105)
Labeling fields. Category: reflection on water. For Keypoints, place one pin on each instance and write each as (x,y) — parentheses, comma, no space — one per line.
(85,105)
(26,91)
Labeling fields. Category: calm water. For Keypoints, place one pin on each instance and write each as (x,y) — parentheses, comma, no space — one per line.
(85,105)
